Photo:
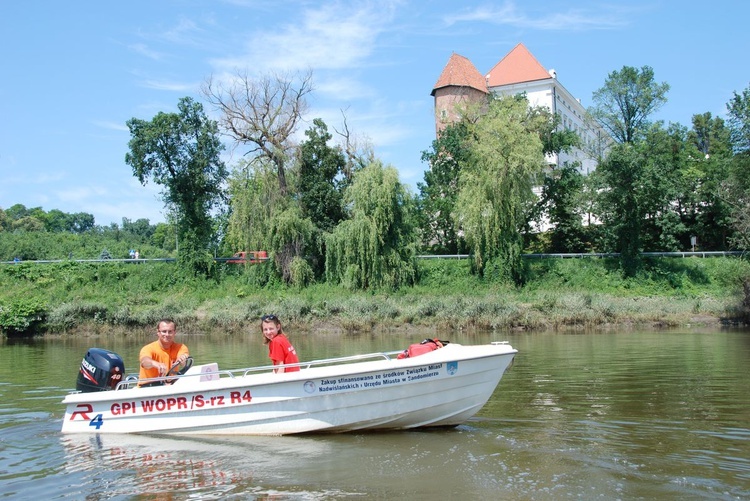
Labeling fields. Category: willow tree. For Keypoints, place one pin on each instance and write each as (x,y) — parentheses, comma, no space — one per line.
(253,197)
(292,238)
(505,161)
(376,247)
(262,218)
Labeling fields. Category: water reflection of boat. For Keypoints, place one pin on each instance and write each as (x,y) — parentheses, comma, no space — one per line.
(444,387)
(205,457)
(156,464)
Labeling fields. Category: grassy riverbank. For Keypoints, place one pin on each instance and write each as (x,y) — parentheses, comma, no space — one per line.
(560,294)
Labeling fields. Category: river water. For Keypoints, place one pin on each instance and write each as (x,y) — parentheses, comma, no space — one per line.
(616,415)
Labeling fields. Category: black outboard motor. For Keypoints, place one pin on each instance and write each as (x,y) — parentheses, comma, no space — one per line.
(101,370)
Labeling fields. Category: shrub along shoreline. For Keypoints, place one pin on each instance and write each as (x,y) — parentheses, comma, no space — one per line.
(559,295)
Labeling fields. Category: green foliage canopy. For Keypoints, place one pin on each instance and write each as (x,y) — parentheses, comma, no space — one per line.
(181,152)
(619,205)
(739,120)
(627,99)
(561,200)
(505,161)
(18,217)
(254,197)
(644,183)
(321,169)
(439,192)
(376,247)
(739,182)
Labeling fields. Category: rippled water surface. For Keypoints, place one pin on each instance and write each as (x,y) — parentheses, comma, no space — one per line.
(626,415)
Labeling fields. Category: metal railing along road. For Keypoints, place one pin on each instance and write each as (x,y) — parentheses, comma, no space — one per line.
(581,255)
(578,255)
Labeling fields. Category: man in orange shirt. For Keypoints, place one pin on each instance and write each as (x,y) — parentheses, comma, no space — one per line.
(158,357)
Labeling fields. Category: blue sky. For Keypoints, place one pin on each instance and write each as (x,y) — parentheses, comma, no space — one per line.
(75,72)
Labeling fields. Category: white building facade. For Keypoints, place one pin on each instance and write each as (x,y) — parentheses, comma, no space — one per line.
(519,72)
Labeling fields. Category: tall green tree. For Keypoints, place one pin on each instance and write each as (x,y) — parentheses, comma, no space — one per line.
(561,200)
(665,157)
(738,185)
(181,152)
(710,135)
(164,237)
(17,211)
(57,220)
(81,222)
(321,175)
(506,160)
(439,192)
(705,210)
(28,223)
(4,220)
(376,246)
(141,229)
(619,206)
(627,100)
(739,120)
(641,187)
(292,241)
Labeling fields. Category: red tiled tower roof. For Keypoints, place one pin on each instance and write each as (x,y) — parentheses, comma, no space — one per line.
(516,67)
(460,72)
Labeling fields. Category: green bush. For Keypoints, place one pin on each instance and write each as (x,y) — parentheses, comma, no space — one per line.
(20,315)
(301,273)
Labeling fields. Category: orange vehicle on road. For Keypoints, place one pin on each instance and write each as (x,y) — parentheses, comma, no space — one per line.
(248,257)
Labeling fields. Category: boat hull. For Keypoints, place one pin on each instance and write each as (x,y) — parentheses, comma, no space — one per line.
(441,388)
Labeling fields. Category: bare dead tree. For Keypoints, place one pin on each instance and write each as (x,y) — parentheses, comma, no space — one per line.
(359,153)
(261,113)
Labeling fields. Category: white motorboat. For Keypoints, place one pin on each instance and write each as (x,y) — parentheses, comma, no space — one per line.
(378,391)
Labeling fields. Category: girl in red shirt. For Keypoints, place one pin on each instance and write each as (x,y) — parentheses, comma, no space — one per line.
(280,350)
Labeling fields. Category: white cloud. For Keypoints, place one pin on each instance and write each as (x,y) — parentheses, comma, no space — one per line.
(186,32)
(333,36)
(81,193)
(344,88)
(170,86)
(144,50)
(23,178)
(111,125)
(571,19)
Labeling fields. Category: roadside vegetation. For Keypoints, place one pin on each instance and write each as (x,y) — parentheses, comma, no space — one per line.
(344,234)
(559,294)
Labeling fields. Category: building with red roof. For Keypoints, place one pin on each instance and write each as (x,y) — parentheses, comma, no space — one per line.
(518,72)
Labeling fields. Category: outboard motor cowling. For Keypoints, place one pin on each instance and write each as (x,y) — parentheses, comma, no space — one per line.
(101,370)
